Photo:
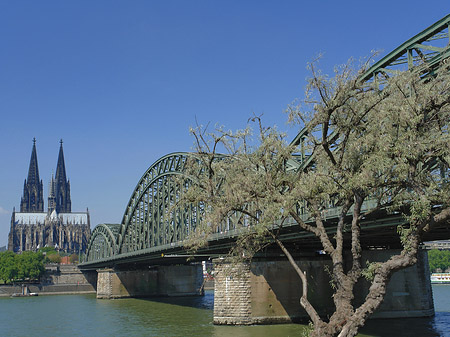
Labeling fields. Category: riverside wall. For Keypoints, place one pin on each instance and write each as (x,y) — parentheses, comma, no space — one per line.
(58,280)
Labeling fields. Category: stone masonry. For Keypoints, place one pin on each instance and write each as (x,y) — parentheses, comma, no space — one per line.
(267,292)
(232,293)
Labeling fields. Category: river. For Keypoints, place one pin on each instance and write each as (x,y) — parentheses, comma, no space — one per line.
(84,315)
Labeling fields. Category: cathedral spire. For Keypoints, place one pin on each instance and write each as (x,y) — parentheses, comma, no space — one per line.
(32,199)
(62,190)
(60,167)
(33,170)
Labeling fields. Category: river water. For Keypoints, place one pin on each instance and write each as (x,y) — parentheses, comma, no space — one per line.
(84,315)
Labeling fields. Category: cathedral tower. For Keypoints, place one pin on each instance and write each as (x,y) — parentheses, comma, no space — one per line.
(60,186)
(33,195)
(59,227)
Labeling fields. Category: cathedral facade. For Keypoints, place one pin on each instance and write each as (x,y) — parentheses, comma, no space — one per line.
(33,228)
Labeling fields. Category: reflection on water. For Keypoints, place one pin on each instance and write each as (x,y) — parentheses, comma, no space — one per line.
(84,315)
(436,326)
(408,327)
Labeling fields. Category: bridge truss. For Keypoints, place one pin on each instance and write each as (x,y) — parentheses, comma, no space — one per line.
(146,231)
(145,224)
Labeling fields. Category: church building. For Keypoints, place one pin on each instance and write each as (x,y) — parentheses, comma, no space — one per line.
(59,227)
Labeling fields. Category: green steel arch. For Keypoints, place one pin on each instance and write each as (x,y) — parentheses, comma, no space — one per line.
(430,48)
(145,224)
(103,242)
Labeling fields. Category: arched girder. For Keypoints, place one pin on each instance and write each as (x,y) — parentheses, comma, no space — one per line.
(421,48)
(430,47)
(102,243)
(173,162)
(144,224)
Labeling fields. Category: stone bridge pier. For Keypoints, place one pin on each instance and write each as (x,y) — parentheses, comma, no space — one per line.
(269,291)
(176,280)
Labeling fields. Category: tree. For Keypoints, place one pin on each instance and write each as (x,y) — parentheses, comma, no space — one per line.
(27,265)
(73,258)
(30,265)
(47,250)
(8,266)
(53,258)
(439,259)
(360,142)
(51,255)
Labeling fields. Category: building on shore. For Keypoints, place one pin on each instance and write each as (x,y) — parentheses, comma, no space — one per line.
(33,228)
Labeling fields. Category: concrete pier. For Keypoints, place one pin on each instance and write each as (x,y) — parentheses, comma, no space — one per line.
(265,292)
(177,280)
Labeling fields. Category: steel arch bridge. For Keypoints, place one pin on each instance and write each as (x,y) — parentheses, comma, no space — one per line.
(144,225)
(145,232)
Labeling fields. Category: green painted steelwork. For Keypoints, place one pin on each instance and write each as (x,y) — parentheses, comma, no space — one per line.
(145,234)
(431,46)
(427,49)
(103,242)
(145,224)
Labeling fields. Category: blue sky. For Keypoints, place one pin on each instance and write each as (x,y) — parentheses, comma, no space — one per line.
(121,82)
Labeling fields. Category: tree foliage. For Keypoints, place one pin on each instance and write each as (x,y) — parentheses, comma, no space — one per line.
(24,266)
(48,250)
(360,142)
(53,258)
(51,255)
(73,258)
(30,265)
(439,259)
(8,266)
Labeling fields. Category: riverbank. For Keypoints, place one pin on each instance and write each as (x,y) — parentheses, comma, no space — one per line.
(57,280)
(54,289)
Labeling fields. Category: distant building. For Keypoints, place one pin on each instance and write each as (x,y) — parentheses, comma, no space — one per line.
(59,227)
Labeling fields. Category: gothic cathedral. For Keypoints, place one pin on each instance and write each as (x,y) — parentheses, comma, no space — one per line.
(59,227)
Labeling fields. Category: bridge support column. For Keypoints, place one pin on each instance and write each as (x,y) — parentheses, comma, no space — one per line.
(180,280)
(269,291)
